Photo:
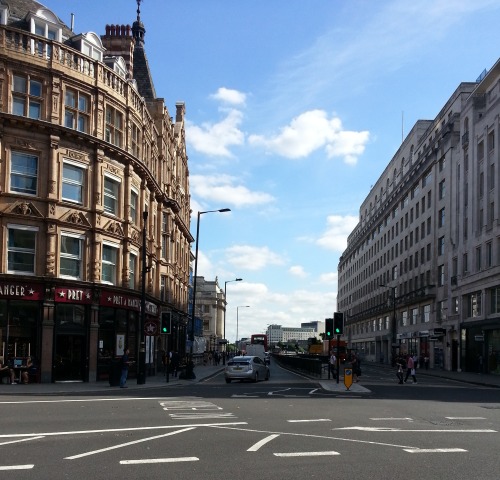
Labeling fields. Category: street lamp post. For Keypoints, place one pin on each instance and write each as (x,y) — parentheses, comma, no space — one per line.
(225,308)
(238,322)
(393,323)
(189,369)
(141,374)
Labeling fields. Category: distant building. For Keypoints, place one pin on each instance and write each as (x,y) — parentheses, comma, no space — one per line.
(210,306)
(279,334)
(318,326)
(421,272)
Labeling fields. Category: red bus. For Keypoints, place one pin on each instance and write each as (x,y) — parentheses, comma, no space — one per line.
(259,339)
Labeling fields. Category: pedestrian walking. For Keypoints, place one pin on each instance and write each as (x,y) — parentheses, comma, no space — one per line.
(175,360)
(333,365)
(400,365)
(479,363)
(426,362)
(410,369)
(124,364)
(356,369)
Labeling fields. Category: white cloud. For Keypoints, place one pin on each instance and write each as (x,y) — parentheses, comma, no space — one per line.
(270,307)
(297,271)
(330,278)
(337,231)
(311,131)
(227,95)
(252,258)
(223,188)
(214,139)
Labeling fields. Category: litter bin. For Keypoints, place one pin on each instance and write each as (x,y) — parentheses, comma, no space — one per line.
(115,373)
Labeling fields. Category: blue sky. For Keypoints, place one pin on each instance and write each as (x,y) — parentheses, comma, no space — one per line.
(294,108)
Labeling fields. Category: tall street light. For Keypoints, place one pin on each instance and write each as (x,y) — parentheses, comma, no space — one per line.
(238,322)
(225,308)
(189,369)
(141,374)
(393,323)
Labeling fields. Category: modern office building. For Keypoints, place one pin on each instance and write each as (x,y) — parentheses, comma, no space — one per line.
(421,270)
(94,197)
(279,334)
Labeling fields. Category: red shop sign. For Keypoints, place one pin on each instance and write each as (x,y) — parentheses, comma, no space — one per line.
(73,295)
(21,291)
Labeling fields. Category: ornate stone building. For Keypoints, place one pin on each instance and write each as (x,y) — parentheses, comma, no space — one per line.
(91,162)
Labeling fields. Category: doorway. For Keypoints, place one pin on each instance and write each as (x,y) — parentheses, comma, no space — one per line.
(70,358)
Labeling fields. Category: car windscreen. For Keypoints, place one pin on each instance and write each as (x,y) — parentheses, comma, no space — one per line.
(239,362)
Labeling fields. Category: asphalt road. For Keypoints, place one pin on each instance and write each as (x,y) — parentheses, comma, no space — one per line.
(285,428)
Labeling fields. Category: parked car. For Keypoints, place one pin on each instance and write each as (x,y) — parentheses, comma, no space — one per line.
(246,368)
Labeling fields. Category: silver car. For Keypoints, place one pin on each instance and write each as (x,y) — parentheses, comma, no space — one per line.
(246,368)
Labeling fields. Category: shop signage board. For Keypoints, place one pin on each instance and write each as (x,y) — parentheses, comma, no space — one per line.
(128,302)
(151,328)
(21,291)
(73,295)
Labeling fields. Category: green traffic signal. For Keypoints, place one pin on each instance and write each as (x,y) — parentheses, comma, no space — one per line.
(338,323)
(165,323)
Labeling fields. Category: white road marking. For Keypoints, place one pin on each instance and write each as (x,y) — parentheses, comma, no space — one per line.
(189,405)
(392,418)
(81,400)
(159,460)
(114,447)
(199,416)
(112,430)
(17,467)
(434,450)
(261,443)
(387,429)
(465,418)
(305,454)
(311,420)
(21,440)
(326,437)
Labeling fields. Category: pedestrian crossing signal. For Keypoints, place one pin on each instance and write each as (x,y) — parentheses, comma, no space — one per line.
(165,323)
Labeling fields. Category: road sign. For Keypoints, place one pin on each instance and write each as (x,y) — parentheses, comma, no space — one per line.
(348,378)
(151,328)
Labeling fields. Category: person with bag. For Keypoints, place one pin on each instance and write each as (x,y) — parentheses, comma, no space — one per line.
(410,369)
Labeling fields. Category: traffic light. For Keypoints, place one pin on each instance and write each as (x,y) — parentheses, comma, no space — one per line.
(165,323)
(338,323)
(329,327)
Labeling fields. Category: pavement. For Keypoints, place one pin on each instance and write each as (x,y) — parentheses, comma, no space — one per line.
(485,380)
(204,372)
